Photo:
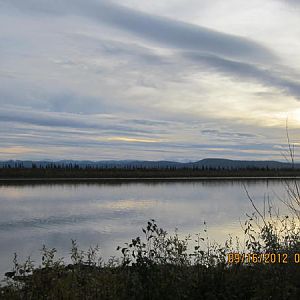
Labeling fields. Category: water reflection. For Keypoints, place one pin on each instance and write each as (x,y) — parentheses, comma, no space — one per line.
(111,213)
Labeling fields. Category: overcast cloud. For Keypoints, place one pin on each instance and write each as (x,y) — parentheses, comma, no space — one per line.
(176,80)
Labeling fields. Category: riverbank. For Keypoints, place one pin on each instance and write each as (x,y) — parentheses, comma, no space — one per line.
(162,266)
(144,174)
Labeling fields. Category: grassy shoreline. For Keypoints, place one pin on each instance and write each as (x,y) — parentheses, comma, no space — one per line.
(159,265)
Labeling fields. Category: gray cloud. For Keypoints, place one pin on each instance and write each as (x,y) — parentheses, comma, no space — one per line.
(103,122)
(291,2)
(131,50)
(224,50)
(165,31)
(246,71)
(227,134)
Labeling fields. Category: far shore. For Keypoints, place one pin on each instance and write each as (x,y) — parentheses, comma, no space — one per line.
(147,179)
(142,174)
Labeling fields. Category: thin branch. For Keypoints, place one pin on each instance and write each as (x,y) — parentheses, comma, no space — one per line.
(291,147)
(262,217)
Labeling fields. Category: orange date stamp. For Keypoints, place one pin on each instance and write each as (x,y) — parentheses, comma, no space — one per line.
(262,258)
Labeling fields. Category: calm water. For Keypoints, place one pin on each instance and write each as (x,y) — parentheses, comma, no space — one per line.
(111,214)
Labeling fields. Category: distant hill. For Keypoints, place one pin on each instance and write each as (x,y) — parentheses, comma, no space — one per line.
(214,163)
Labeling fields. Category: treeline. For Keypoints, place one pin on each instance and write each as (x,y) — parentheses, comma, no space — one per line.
(53,170)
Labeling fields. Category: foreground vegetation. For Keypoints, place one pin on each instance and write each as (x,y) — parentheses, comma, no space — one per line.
(164,266)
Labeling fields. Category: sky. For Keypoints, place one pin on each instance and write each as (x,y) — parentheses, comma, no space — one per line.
(175,80)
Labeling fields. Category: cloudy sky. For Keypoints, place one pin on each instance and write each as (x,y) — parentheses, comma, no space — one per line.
(162,79)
